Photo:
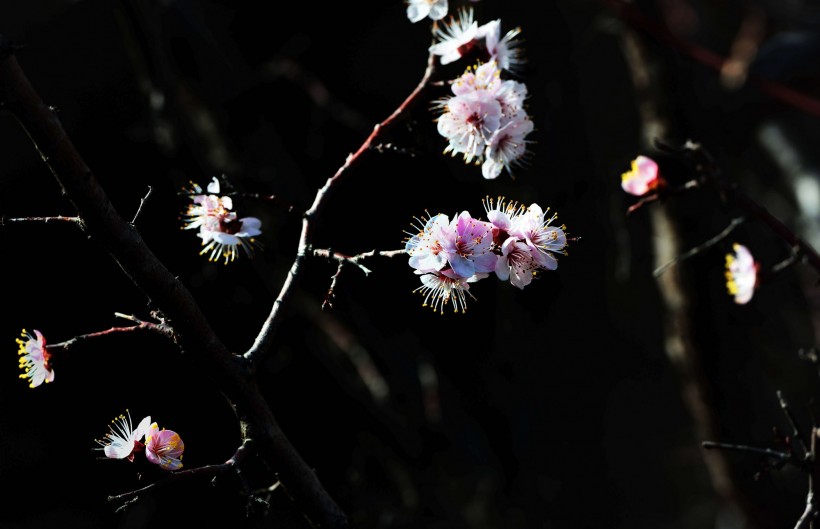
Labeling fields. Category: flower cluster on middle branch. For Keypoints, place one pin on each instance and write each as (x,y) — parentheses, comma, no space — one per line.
(515,244)
(484,120)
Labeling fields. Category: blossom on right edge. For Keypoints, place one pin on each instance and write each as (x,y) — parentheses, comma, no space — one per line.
(34,359)
(741,274)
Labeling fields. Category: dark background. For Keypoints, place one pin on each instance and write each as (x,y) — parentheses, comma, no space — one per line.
(551,407)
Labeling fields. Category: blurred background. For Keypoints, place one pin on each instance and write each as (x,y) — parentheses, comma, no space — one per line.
(581,401)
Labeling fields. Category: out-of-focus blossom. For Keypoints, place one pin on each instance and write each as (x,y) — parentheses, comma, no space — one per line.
(34,358)
(123,440)
(222,232)
(417,10)
(741,274)
(164,447)
(642,177)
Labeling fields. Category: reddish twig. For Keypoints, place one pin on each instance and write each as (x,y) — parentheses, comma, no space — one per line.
(264,339)
(186,475)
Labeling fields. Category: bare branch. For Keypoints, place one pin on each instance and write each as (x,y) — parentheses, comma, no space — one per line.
(264,339)
(20,220)
(700,248)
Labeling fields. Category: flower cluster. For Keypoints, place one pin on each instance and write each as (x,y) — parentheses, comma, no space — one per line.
(741,274)
(123,441)
(514,244)
(221,230)
(34,359)
(484,120)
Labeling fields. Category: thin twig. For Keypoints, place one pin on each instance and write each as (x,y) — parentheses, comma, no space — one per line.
(159,328)
(142,203)
(795,434)
(185,475)
(327,302)
(700,248)
(783,457)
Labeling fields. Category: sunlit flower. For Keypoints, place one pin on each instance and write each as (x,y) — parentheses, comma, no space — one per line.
(468,247)
(545,240)
(424,245)
(164,448)
(642,178)
(123,440)
(516,263)
(741,274)
(419,9)
(468,123)
(507,147)
(224,238)
(444,287)
(34,359)
(505,50)
(222,232)
(456,38)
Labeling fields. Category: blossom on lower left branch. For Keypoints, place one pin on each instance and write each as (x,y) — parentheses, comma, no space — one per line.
(35,360)
(123,441)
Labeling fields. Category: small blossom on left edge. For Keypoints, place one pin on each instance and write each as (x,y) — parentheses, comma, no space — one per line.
(34,359)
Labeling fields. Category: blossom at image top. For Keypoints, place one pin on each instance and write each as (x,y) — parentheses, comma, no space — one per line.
(34,359)
(123,440)
(418,10)
(164,448)
(741,274)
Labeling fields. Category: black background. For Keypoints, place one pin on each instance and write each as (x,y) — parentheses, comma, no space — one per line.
(556,405)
